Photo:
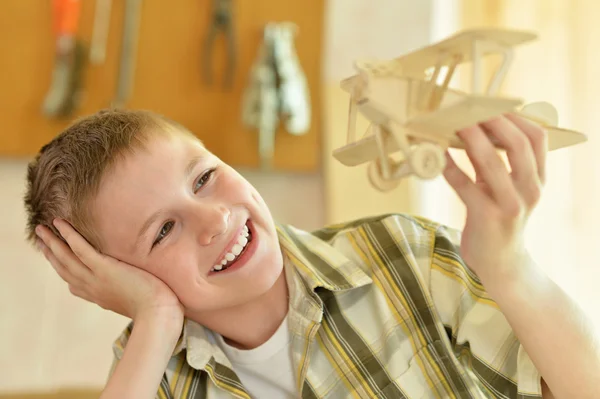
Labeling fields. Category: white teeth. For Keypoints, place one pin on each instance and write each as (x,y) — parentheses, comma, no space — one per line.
(237,249)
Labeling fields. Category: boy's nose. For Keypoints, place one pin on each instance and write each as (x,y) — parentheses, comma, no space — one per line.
(211,221)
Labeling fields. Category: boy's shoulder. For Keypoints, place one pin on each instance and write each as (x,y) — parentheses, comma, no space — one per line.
(399,238)
(412,229)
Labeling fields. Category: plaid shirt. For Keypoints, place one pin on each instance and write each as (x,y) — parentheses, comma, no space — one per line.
(380,307)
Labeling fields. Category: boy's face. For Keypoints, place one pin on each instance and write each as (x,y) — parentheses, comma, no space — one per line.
(177,211)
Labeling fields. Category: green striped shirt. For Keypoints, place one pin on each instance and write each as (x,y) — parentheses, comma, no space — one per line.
(380,307)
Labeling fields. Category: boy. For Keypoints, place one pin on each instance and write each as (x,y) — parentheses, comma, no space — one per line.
(226,303)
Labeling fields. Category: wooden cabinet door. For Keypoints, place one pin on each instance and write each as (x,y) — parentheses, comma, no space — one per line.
(168,76)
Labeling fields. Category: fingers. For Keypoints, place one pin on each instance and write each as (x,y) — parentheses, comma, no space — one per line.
(78,245)
(489,167)
(526,147)
(520,155)
(60,269)
(62,259)
(462,184)
(79,292)
(537,139)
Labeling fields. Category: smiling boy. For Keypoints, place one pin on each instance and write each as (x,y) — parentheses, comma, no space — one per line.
(227,303)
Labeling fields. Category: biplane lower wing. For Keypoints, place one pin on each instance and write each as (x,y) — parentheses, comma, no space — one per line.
(447,121)
(559,138)
(442,124)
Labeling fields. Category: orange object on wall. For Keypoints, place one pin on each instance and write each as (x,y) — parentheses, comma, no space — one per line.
(168,76)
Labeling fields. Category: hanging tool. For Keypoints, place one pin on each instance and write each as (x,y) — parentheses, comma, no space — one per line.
(277,89)
(221,21)
(100,31)
(260,100)
(129,45)
(294,99)
(65,88)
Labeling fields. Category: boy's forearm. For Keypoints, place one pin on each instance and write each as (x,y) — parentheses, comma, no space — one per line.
(555,332)
(149,348)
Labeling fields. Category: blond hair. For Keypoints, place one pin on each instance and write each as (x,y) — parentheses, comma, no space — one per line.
(66,174)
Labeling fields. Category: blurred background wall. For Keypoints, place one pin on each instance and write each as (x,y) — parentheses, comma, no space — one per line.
(49,339)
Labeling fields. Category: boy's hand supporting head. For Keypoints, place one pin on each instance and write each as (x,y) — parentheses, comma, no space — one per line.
(62,183)
(107,282)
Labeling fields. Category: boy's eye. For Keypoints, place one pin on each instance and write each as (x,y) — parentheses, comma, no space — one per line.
(164,231)
(203,179)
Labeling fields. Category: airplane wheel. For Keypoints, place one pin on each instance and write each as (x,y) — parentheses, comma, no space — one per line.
(427,160)
(376,179)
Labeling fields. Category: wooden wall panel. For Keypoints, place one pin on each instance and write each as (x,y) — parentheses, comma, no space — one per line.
(168,77)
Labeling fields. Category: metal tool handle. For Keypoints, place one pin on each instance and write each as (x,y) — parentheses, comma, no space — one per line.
(128,52)
(100,31)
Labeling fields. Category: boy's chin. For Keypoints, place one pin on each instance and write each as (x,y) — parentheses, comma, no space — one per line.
(236,295)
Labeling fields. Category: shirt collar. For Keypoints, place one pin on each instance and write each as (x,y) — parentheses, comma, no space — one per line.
(320,264)
(309,263)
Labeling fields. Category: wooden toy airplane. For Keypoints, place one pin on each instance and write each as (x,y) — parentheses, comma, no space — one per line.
(411,109)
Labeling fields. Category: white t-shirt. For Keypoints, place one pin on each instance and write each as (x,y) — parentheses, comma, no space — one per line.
(267,371)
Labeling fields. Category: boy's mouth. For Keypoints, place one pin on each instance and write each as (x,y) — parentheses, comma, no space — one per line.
(236,250)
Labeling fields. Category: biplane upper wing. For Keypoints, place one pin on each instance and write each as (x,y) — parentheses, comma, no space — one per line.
(461,44)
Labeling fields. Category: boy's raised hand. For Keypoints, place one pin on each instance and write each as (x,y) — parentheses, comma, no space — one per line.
(105,281)
(499,202)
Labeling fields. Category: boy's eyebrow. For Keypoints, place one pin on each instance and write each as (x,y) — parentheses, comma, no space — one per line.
(147,225)
(188,171)
(192,164)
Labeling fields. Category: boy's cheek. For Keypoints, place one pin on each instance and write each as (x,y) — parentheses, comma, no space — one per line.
(177,271)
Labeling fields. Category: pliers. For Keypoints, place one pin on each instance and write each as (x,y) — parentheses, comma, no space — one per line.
(222,21)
